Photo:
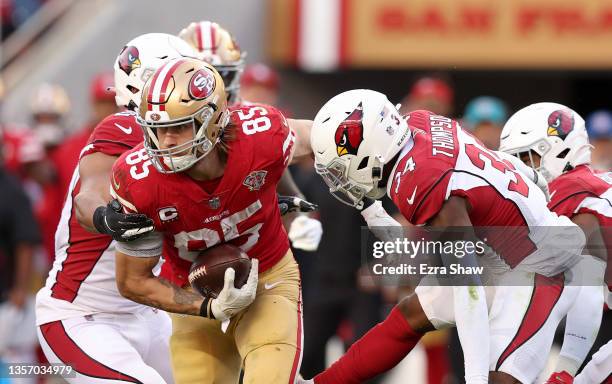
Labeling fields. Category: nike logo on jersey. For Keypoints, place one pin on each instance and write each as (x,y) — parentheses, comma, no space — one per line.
(552,194)
(411,199)
(115,183)
(270,286)
(127,131)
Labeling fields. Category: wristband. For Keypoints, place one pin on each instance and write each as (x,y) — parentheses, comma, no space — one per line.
(98,220)
(205,308)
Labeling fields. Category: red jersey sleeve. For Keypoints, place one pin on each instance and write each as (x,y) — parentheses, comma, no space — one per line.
(114,135)
(571,188)
(420,195)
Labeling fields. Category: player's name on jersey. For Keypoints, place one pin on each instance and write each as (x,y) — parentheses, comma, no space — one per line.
(455,269)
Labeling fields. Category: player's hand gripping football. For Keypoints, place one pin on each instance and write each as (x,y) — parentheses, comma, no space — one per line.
(111,220)
(232,300)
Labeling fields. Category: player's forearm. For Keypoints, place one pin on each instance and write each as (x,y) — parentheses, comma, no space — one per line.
(94,172)
(595,243)
(286,186)
(162,294)
(85,204)
(302,132)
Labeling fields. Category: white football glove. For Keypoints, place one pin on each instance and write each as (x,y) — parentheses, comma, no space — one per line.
(305,233)
(232,300)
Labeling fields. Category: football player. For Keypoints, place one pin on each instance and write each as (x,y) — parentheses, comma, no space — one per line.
(82,319)
(439,175)
(552,138)
(206,174)
(216,46)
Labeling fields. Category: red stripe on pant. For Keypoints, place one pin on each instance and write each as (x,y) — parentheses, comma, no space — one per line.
(71,354)
(298,351)
(546,293)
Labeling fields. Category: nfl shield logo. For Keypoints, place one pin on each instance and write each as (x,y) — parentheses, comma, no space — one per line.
(214,203)
(255,180)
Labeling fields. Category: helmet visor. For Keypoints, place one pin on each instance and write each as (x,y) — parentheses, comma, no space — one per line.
(339,185)
(180,157)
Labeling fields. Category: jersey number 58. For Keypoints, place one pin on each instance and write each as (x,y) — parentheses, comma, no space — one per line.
(255,120)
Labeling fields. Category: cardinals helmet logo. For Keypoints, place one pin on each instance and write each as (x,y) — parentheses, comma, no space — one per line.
(349,133)
(560,123)
(129,59)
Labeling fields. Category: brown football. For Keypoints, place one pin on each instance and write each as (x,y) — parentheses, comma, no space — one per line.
(208,269)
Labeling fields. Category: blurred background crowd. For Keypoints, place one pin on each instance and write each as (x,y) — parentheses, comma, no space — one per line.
(56,61)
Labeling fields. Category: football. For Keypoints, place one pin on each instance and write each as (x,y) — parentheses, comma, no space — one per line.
(208,269)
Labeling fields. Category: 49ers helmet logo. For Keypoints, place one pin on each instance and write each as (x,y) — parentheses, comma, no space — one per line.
(202,84)
(349,133)
(560,123)
(129,59)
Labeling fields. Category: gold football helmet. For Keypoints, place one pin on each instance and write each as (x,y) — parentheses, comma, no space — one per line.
(216,46)
(183,91)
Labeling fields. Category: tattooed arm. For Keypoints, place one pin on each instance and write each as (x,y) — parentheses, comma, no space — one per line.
(135,281)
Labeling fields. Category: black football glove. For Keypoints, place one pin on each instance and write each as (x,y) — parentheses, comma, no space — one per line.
(121,226)
(288,204)
(366,203)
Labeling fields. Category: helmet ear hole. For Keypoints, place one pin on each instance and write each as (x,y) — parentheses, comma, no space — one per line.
(363,163)
(376,173)
(563,153)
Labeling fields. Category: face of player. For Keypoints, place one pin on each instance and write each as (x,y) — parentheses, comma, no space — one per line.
(170,137)
(536,159)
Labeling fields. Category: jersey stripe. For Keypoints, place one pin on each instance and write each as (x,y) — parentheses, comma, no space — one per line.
(546,292)
(69,352)
(297,360)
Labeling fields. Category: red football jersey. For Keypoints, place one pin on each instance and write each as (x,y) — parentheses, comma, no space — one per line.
(442,160)
(82,279)
(583,190)
(240,207)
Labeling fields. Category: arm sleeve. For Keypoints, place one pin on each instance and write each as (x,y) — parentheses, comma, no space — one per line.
(149,245)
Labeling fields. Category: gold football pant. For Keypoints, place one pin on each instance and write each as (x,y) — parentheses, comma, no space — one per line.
(265,339)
